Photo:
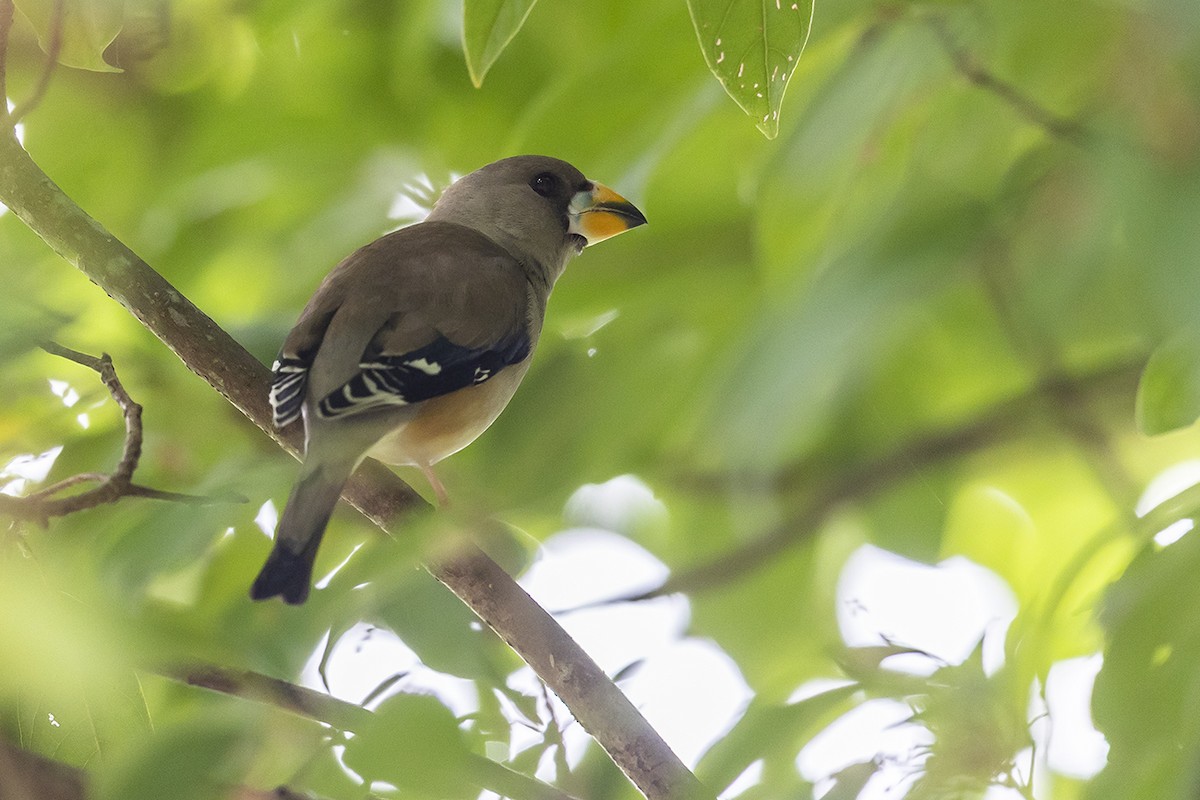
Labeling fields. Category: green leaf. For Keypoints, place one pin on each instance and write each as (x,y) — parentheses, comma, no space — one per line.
(991,528)
(88,27)
(1169,392)
(442,631)
(766,729)
(488,27)
(752,46)
(414,743)
(848,783)
(186,761)
(1144,697)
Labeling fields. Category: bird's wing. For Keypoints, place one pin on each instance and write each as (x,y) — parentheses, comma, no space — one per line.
(421,313)
(392,378)
(290,370)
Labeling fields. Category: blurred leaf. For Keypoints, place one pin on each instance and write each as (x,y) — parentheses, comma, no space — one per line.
(993,530)
(978,721)
(440,629)
(26,326)
(1144,697)
(815,342)
(414,743)
(325,776)
(488,27)
(92,719)
(847,160)
(191,760)
(52,615)
(1169,393)
(767,730)
(784,643)
(863,662)
(849,782)
(88,27)
(752,47)
(527,760)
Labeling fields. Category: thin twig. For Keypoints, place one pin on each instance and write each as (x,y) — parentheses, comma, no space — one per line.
(67,483)
(970,68)
(46,504)
(53,49)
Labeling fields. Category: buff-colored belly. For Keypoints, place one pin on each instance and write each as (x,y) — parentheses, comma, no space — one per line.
(444,425)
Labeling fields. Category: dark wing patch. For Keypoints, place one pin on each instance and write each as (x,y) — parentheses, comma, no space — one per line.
(287,389)
(438,368)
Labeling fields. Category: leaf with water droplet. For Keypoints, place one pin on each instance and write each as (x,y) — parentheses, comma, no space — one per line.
(753,46)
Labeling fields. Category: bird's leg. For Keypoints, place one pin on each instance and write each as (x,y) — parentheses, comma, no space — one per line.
(438,489)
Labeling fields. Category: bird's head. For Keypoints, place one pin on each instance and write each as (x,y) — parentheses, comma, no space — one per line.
(540,209)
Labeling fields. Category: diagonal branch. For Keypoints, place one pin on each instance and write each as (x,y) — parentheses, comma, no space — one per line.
(381,496)
(29,776)
(970,68)
(484,772)
(1002,422)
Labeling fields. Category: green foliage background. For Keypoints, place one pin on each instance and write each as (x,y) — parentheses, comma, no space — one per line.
(948,309)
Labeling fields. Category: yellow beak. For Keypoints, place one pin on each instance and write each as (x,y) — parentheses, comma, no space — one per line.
(599,213)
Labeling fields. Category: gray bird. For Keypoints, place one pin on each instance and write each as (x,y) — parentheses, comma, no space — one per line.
(414,344)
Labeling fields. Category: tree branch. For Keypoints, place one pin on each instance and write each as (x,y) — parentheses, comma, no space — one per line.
(43,505)
(374,490)
(970,68)
(1002,422)
(29,776)
(484,772)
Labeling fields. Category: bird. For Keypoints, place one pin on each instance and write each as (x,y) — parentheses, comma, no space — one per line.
(415,343)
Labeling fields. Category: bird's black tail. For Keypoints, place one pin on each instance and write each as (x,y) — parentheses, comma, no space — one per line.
(289,568)
(285,573)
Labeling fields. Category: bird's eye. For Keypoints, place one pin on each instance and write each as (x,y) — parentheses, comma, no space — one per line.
(545,184)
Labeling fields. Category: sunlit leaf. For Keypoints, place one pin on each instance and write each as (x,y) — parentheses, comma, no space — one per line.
(864,661)
(993,530)
(769,730)
(1169,393)
(488,27)
(849,782)
(1143,698)
(440,629)
(189,761)
(752,46)
(412,742)
(978,721)
(86,28)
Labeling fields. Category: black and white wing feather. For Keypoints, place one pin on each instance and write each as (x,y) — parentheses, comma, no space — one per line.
(287,389)
(438,368)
